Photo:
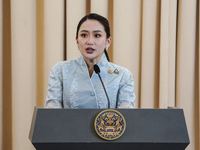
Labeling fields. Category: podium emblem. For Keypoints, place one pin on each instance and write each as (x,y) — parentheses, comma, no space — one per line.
(109,124)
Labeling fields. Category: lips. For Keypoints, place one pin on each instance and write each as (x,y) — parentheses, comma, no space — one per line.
(89,50)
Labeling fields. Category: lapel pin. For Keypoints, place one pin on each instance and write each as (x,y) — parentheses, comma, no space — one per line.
(110,70)
(116,71)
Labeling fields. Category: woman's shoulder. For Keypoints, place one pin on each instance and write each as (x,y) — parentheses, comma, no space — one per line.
(118,68)
(65,63)
(64,67)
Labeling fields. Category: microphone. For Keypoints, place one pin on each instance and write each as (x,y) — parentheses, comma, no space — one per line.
(97,71)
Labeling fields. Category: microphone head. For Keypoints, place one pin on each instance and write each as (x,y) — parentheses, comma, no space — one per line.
(96,68)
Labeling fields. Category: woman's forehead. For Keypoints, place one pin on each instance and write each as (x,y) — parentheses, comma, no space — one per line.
(91,25)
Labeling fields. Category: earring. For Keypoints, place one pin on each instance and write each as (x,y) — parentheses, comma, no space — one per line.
(106,48)
(78,48)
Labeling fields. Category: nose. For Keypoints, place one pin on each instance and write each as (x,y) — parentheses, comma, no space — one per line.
(90,41)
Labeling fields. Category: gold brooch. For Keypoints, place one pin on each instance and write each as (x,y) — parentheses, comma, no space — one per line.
(110,70)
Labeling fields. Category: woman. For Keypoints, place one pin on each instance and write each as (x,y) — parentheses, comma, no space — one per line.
(73,83)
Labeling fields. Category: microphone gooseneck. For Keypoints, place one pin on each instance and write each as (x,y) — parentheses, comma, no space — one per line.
(97,71)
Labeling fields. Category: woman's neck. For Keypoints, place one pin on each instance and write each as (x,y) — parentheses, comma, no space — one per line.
(90,66)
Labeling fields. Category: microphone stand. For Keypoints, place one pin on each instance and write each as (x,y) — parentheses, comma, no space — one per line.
(104,90)
(97,71)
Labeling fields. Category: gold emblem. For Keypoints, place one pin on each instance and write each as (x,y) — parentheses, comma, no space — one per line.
(110,124)
(116,71)
(110,70)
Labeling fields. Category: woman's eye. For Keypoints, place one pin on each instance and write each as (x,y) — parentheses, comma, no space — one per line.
(84,35)
(97,35)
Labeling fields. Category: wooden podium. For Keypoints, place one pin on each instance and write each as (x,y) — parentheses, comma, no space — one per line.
(73,129)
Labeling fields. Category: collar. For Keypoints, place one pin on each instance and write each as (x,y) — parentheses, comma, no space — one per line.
(101,63)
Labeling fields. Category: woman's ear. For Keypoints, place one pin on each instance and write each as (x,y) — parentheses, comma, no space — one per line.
(108,42)
(76,41)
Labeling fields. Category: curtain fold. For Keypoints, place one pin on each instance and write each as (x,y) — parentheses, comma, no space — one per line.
(185,81)
(157,40)
(73,17)
(126,36)
(100,7)
(150,54)
(23,72)
(164,55)
(1,66)
(6,97)
(198,70)
(53,46)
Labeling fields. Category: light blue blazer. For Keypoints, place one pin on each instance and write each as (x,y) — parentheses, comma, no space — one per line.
(71,87)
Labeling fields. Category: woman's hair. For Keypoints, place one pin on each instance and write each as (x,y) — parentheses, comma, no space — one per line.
(99,18)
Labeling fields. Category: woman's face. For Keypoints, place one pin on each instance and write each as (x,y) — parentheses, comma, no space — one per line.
(92,40)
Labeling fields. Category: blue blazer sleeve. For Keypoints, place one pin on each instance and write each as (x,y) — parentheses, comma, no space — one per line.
(126,96)
(54,92)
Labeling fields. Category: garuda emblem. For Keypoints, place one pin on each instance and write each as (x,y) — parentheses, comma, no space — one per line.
(109,124)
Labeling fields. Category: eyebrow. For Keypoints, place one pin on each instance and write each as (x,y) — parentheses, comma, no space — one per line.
(93,31)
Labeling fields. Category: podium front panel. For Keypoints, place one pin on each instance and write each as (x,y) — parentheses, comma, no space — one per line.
(146,129)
